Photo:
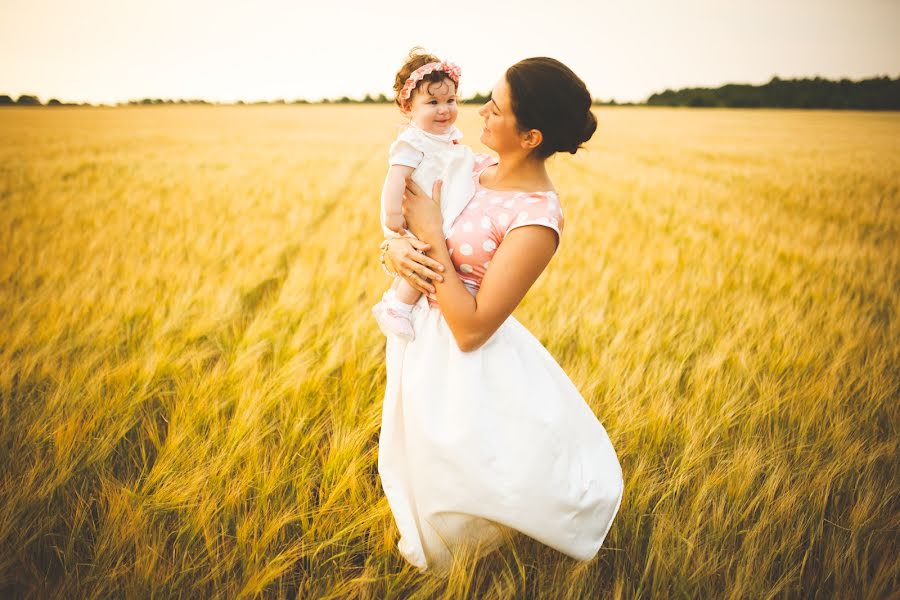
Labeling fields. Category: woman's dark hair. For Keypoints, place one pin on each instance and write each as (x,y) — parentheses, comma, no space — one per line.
(417,58)
(547,96)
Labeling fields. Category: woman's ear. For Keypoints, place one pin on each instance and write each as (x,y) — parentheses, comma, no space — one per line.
(531,139)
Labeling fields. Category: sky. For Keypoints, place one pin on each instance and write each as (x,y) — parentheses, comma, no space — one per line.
(107,51)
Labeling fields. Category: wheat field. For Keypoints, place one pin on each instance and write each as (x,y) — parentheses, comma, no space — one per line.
(191,380)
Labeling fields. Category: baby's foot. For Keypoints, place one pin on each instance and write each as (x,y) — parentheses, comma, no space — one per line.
(392,321)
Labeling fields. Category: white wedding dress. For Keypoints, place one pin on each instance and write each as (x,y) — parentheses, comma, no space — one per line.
(499,435)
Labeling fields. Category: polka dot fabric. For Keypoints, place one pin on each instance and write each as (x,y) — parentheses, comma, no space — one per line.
(481,226)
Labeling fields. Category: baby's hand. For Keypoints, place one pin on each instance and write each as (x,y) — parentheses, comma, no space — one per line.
(395,223)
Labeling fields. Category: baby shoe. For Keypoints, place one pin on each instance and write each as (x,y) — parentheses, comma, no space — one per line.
(392,321)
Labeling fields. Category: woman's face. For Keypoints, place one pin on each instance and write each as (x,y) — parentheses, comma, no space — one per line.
(500,131)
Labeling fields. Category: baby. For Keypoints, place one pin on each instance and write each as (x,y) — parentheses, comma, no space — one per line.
(429,149)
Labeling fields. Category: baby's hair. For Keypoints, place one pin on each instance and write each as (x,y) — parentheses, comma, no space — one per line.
(417,58)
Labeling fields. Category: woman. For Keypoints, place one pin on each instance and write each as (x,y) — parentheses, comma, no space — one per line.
(483,434)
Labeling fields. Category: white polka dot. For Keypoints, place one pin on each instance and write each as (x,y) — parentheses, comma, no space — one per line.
(473,204)
(465,268)
(487,264)
(543,220)
(489,245)
(551,205)
(508,204)
(554,222)
(496,200)
(467,226)
(533,200)
(521,216)
(485,222)
(465,249)
(503,219)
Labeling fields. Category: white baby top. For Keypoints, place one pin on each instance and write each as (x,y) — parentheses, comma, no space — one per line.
(433,157)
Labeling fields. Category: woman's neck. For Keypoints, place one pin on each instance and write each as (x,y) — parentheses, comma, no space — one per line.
(520,172)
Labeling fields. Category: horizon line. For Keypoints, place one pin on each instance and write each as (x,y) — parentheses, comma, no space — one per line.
(382,98)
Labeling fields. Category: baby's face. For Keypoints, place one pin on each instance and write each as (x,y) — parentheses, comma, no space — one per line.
(433,108)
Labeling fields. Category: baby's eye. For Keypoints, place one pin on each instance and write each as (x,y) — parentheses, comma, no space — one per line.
(451,100)
(432,102)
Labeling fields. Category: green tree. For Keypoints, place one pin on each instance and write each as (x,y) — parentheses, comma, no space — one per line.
(877,93)
(26,100)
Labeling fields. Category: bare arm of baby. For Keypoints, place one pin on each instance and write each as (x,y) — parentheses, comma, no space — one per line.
(392,197)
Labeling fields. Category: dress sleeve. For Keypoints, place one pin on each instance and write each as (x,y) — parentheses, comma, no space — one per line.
(482,161)
(403,153)
(534,209)
(406,150)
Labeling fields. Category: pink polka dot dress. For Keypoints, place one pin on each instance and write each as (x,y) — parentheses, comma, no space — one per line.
(481,226)
(477,445)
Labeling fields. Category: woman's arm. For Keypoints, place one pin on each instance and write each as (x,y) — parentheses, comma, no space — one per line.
(515,266)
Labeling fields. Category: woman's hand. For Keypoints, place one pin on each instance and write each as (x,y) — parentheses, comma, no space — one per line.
(406,256)
(423,214)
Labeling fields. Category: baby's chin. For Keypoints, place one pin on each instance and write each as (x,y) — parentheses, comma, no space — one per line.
(436,128)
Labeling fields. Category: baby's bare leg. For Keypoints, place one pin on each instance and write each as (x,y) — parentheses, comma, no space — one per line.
(406,293)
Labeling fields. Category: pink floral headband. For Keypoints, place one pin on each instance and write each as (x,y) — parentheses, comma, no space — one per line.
(452,70)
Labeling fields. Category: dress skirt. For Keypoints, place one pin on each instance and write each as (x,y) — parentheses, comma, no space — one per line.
(475,443)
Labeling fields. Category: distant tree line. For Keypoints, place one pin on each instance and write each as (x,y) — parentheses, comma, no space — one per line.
(478,98)
(29,100)
(878,93)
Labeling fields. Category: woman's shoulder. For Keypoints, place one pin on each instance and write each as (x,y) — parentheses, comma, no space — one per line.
(516,209)
(546,201)
(482,162)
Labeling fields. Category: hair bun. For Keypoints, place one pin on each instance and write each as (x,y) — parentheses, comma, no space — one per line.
(546,95)
(590,126)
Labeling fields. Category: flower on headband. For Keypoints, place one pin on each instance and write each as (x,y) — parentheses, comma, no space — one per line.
(451,69)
